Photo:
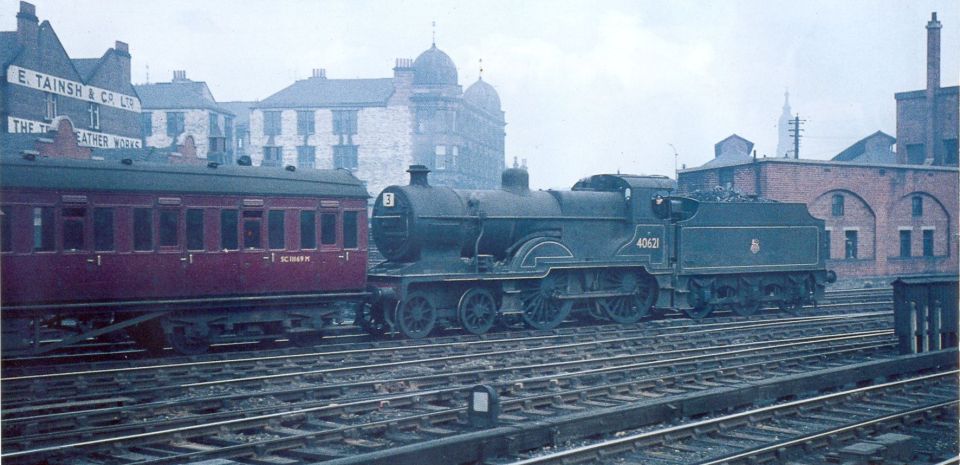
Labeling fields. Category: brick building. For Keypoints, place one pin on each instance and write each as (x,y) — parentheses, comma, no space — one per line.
(378,127)
(182,108)
(888,213)
(927,120)
(883,219)
(44,86)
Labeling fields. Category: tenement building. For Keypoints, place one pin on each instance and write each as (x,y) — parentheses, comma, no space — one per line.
(45,90)
(378,127)
(182,108)
(888,213)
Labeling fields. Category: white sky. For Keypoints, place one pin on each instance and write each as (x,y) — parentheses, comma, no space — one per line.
(587,86)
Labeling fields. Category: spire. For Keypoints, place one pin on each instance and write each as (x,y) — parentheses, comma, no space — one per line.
(784,145)
(433,35)
(481,70)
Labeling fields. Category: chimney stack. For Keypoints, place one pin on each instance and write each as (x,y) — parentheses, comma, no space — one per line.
(27,26)
(123,52)
(320,73)
(933,52)
(179,75)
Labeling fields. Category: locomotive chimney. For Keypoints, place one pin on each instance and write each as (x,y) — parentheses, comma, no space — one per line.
(418,175)
(515,180)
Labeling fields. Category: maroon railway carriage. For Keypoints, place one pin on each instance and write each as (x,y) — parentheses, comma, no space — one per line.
(178,256)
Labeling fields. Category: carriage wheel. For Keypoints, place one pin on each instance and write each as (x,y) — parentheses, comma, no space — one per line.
(149,336)
(630,308)
(371,318)
(477,310)
(747,308)
(541,310)
(305,338)
(416,316)
(190,340)
(700,312)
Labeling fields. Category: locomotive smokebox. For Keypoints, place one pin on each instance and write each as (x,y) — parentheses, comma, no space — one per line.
(418,175)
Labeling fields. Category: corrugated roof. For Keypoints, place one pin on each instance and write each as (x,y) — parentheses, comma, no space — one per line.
(321,92)
(92,175)
(186,95)
(858,151)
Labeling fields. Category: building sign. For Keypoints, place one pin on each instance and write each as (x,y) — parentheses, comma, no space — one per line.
(73,89)
(85,138)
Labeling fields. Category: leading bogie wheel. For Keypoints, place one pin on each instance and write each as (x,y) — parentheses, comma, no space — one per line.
(477,310)
(416,315)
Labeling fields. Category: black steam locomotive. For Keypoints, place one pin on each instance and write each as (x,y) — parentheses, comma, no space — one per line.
(614,246)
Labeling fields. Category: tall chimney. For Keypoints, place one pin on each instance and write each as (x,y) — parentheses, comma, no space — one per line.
(27,28)
(123,52)
(933,52)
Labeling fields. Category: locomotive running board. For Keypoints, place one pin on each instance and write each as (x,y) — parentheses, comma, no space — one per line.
(90,334)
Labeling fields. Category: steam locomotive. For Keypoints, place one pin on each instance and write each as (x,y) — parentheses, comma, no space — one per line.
(185,256)
(614,246)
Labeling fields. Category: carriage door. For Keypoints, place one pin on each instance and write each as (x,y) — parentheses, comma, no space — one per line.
(257,258)
(332,256)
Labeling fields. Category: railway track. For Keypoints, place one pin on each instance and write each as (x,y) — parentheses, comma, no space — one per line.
(851,425)
(251,414)
(109,355)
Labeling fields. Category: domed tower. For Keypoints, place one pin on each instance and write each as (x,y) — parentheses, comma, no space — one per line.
(434,68)
(485,97)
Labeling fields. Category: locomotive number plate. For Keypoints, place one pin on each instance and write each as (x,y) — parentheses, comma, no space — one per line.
(388,199)
(648,243)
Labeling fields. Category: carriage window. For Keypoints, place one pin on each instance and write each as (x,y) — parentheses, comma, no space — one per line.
(169,224)
(194,229)
(328,228)
(350,230)
(275,229)
(73,228)
(43,228)
(228,230)
(251,229)
(6,244)
(142,229)
(103,229)
(308,230)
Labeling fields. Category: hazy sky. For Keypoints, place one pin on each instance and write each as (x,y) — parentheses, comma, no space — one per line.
(587,86)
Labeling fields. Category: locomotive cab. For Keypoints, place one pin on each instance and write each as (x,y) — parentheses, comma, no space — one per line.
(673,208)
(636,190)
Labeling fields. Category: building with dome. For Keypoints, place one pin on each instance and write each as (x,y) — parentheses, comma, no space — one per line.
(378,127)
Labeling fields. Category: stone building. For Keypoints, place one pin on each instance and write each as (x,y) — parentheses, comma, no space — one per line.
(927,120)
(180,109)
(241,126)
(887,213)
(44,86)
(378,127)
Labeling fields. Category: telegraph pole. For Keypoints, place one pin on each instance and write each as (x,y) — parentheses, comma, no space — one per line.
(795,133)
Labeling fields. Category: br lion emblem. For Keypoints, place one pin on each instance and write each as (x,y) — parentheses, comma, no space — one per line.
(755,245)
